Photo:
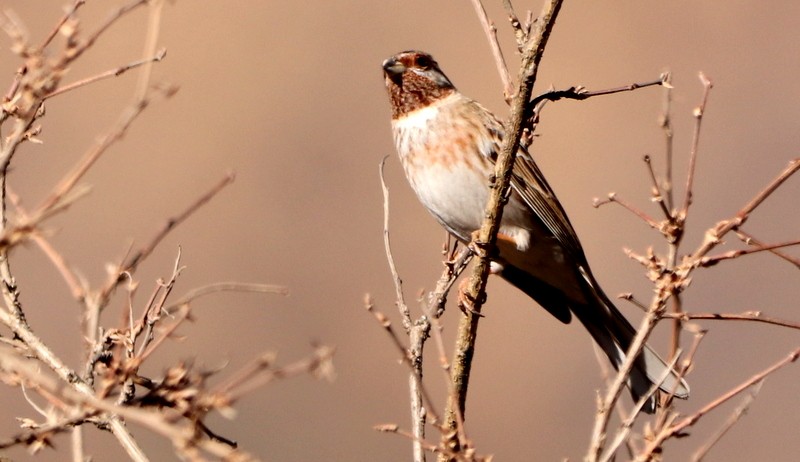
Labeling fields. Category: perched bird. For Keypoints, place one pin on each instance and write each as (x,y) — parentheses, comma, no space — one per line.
(448,144)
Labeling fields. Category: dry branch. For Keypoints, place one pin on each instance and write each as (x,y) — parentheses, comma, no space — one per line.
(487,235)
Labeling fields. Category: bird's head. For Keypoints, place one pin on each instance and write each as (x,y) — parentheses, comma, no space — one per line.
(414,81)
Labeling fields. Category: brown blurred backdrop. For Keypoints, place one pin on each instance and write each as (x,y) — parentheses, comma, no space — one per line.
(290,96)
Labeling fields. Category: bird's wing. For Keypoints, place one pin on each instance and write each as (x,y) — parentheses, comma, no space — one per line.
(529,182)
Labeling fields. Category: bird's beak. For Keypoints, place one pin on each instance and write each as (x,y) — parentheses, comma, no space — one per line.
(394,69)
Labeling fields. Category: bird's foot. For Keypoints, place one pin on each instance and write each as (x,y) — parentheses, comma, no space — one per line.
(466,303)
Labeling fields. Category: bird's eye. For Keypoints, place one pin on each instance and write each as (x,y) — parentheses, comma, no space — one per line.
(424,62)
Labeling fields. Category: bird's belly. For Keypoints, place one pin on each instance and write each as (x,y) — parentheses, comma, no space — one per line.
(455,196)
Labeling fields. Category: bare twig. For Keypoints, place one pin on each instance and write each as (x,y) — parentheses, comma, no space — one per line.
(405,354)
(580,93)
(42,433)
(133,261)
(261,372)
(714,236)
(698,117)
(737,415)
(156,7)
(164,422)
(665,121)
(417,336)
(450,274)
(680,426)
(114,135)
(112,18)
(714,259)
(497,52)
(117,71)
(613,392)
(77,289)
(627,424)
(69,14)
(657,195)
(227,287)
(398,283)
(613,198)
(754,316)
(37,348)
(748,239)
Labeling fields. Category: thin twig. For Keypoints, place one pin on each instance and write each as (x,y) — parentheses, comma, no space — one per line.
(133,261)
(112,18)
(154,311)
(156,8)
(417,336)
(580,93)
(436,334)
(657,196)
(497,52)
(679,427)
(67,16)
(665,122)
(77,289)
(714,259)
(613,198)
(453,269)
(165,422)
(386,324)
(398,283)
(613,392)
(233,286)
(66,375)
(699,112)
(748,239)
(114,135)
(754,316)
(627,424)
(318,364)
(107,74)
(44,432)
(735,417)
(714,235)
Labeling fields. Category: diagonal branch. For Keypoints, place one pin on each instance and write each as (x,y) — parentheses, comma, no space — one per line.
(487,235)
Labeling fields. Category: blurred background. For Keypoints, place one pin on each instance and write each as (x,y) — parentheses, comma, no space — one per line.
(290,96)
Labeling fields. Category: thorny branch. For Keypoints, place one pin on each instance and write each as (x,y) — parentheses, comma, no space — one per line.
(110,393)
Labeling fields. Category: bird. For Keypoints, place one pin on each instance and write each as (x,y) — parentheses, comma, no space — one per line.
(448,144)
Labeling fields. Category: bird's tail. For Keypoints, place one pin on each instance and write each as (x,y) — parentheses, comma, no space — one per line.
(614,334)
(610,330)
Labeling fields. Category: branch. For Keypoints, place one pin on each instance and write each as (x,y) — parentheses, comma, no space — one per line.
(487,235)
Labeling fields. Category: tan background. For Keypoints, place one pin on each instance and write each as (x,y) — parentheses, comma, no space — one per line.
(289,94)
